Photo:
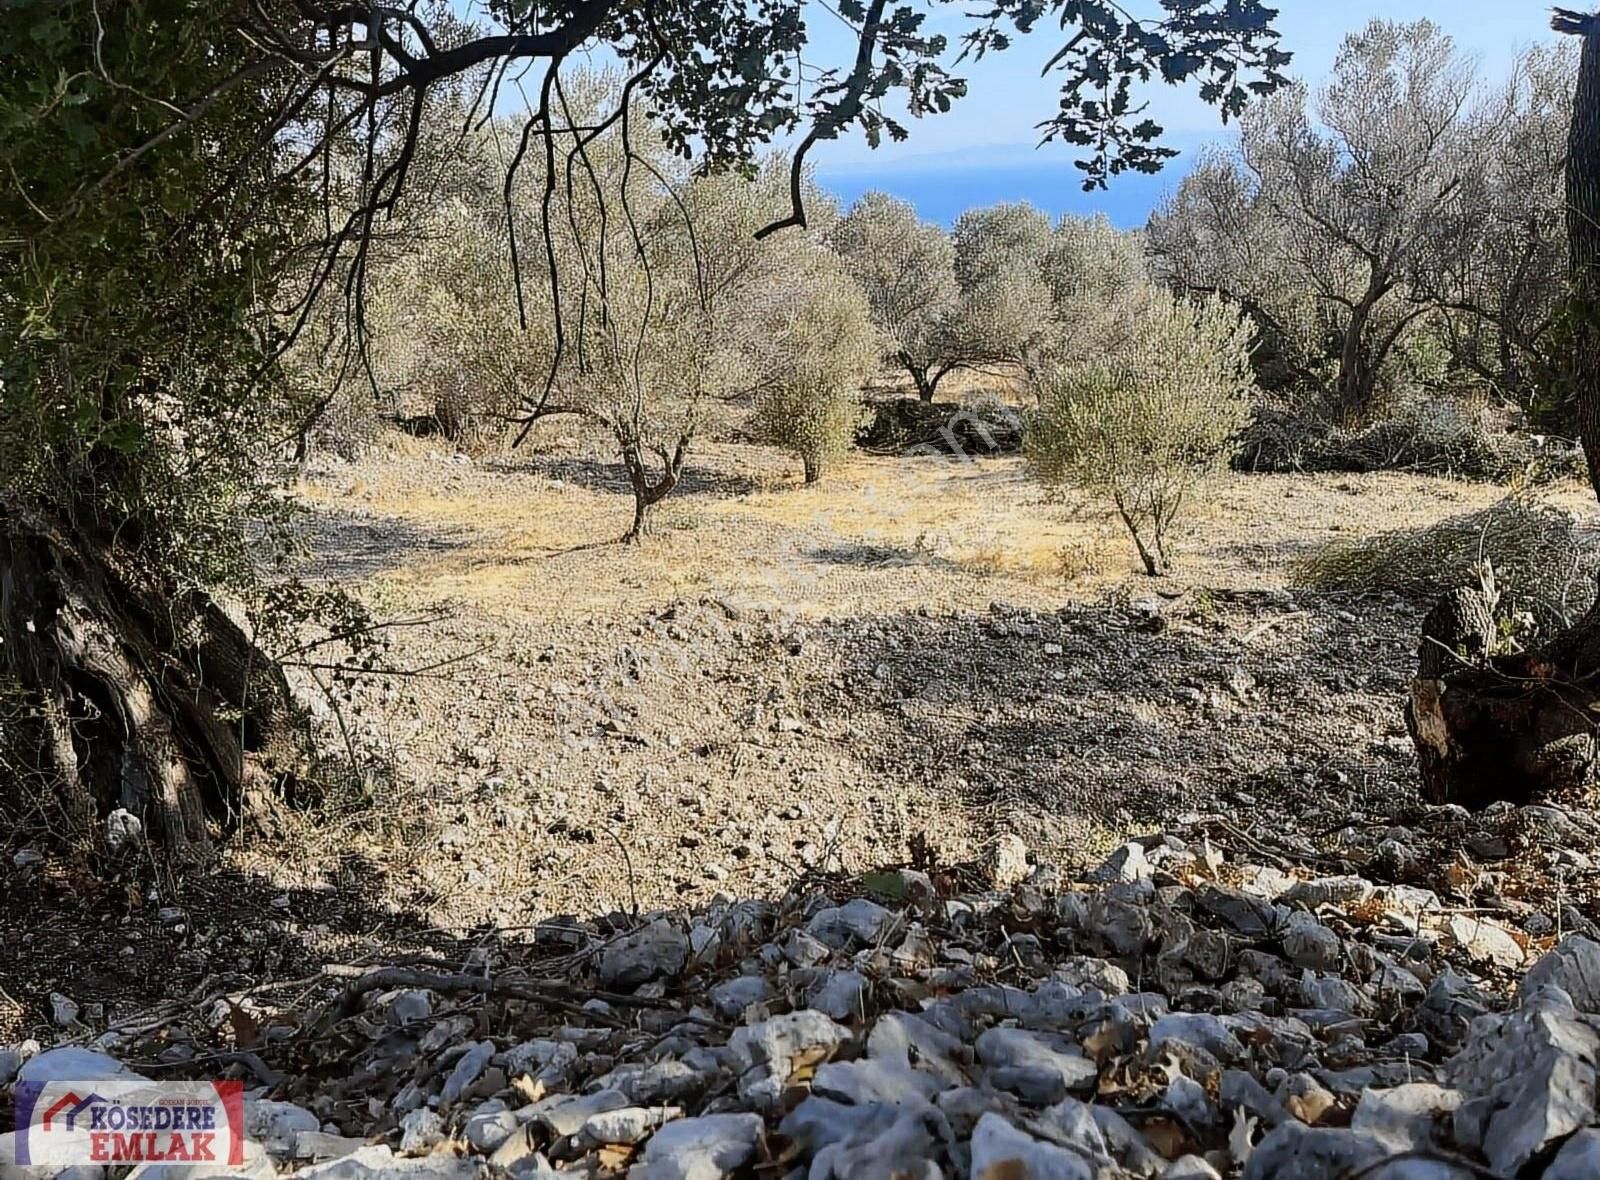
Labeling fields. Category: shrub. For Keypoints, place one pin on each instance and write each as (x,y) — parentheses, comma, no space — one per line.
(1142,424)
(809,416)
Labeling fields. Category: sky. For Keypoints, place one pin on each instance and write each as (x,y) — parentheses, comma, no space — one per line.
(984,151)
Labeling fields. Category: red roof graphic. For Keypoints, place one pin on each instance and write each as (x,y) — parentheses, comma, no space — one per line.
(72,1104)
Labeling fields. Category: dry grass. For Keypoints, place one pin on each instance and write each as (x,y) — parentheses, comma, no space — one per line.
(877,533)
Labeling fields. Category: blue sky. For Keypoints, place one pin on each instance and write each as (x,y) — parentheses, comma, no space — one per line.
(983,150)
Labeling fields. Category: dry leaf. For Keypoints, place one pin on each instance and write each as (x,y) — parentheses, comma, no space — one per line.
(1461,875)
(1167,1137)
(615,1156)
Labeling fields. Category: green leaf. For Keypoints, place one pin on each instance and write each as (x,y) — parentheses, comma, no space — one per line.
(890,885)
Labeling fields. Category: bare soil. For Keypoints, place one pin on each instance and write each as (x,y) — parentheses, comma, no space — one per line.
(779,678)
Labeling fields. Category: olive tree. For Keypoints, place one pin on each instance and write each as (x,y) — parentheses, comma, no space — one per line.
(1344,196)
(137,417)
(1499,277)
(1478,743)
(817,345)
(1214,236)
(906,268)
(443,343)
(973,298)
(1142,424)
(683,309)
(1002,311)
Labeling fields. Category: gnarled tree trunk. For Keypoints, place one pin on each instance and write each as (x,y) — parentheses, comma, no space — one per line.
(144,696)
(648,491)
(1510,727)
(1513,726)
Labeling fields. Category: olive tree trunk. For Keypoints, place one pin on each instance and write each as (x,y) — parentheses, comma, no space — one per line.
(1583,236)
(140,695)
(649,489)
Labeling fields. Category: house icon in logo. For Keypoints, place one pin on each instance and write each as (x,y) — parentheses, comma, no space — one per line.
(72,1105)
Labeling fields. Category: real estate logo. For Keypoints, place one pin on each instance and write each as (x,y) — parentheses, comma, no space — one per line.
(125,1121)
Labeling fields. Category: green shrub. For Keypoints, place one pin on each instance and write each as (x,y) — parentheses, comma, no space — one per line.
(811,417)
(1144,422)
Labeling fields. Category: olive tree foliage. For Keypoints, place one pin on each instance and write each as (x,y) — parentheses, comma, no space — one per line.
(451,351)
(442,352)
(1004,288)
(133,294)
(681,309)
(714,81)
(1002,311)
(672,350)
(815,348)
(669,305)
(298,100)
(1334,208)
(1143,423)
(1091,269)
(442,349)
(1089,262)
(1500,277)
(256,107)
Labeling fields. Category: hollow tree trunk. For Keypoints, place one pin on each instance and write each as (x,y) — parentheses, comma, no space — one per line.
(144,696)
(1513,726)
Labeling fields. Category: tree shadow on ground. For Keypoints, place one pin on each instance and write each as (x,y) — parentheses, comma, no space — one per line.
(609,475)
(124,935)
(870,555)
(184,971)
(356,545)
(1274,555)
(1063,721)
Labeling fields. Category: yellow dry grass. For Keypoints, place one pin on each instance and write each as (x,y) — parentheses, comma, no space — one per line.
(877,533)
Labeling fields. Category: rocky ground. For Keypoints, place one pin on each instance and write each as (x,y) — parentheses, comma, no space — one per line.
(707,745)
(1412,1001)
